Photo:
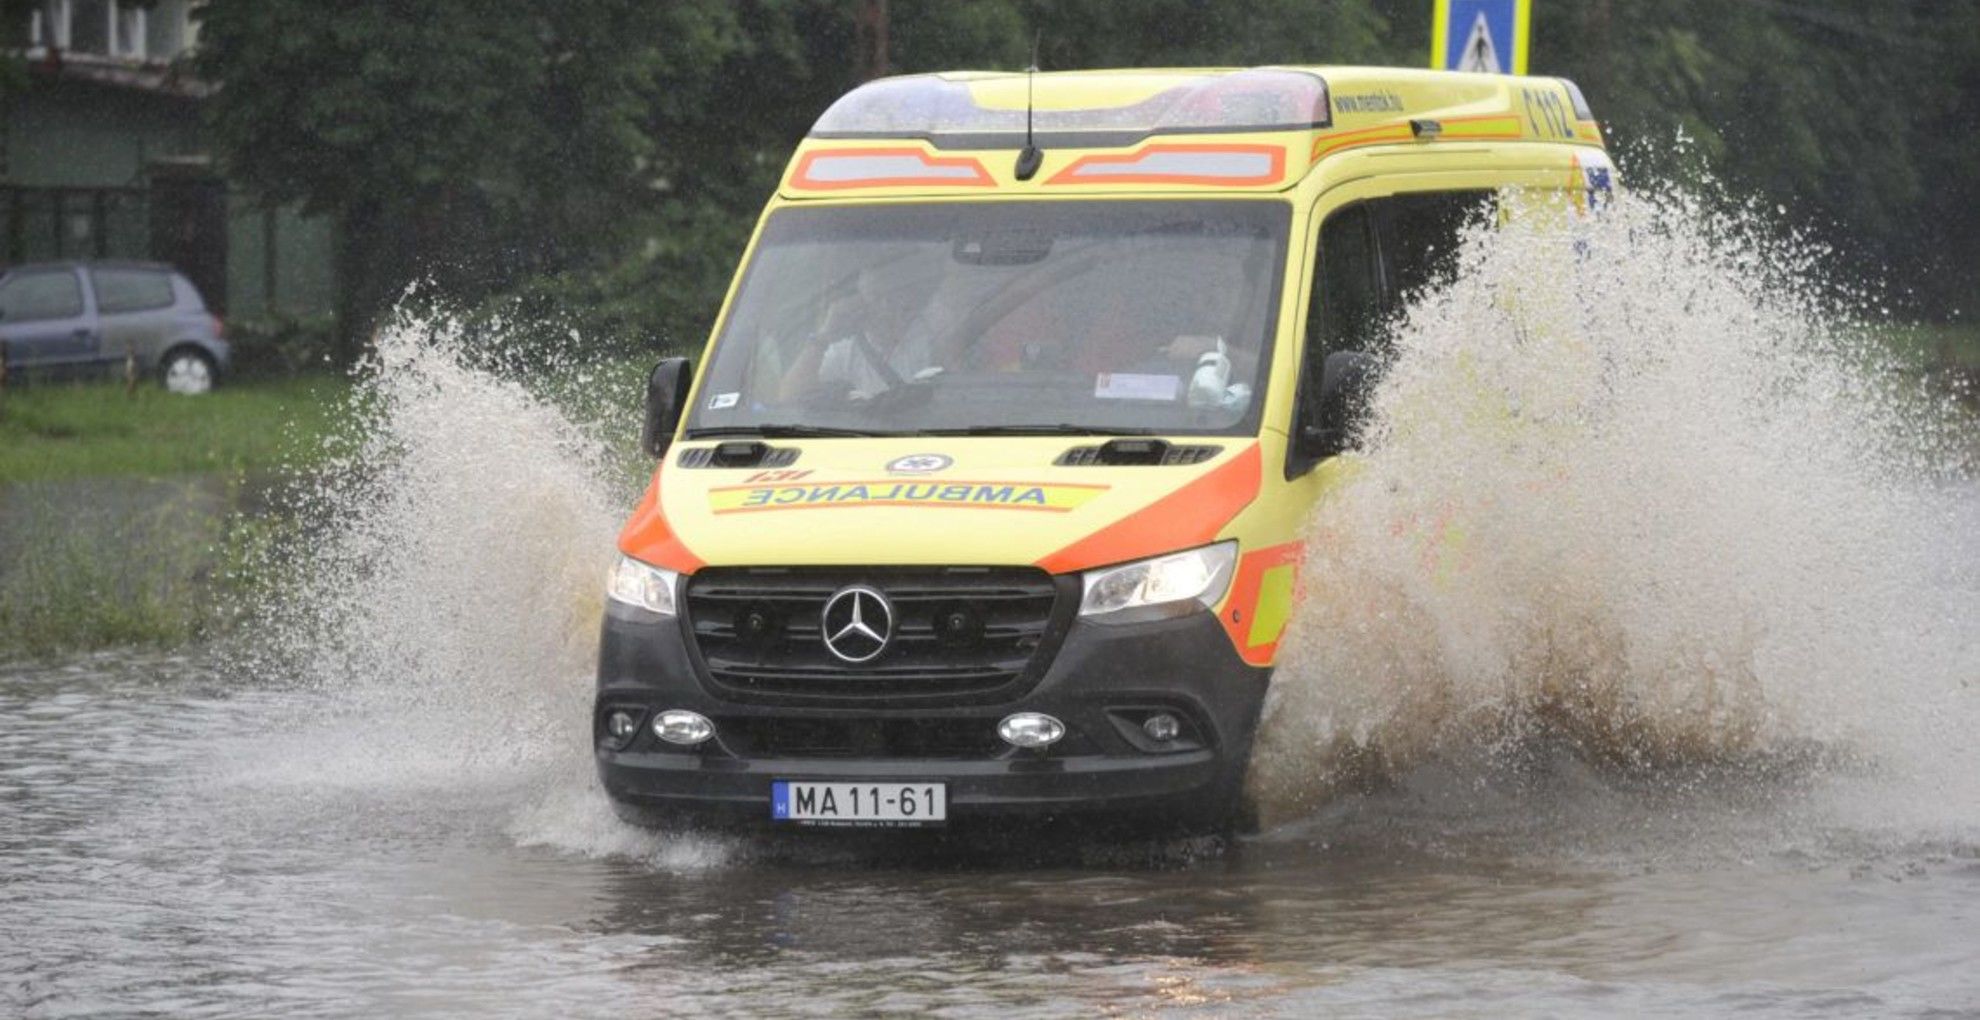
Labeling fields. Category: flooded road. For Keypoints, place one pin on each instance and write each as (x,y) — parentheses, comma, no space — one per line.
(1641,678)
(175,844)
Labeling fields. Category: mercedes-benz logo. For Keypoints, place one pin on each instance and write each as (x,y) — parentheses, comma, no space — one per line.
(919,463)
(857,623)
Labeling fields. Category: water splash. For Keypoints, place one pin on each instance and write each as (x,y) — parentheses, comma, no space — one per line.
(1636,487)
(1637,501)
(447,589)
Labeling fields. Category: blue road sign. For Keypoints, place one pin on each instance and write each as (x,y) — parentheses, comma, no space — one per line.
(1481,35)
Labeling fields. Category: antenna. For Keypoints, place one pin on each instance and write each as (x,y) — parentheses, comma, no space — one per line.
(1030,158)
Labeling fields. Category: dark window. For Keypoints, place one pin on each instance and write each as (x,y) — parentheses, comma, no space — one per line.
(47,294)
(131,290)
(1346,309)
(1420,238)
(1375,258)
(89,26)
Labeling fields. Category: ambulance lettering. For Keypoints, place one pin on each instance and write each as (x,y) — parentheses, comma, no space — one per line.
(1050,497)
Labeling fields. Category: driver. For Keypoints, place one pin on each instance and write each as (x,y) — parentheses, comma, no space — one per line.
(873,339)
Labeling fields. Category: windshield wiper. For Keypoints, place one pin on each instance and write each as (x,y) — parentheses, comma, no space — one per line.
(787,432)
(1039,430)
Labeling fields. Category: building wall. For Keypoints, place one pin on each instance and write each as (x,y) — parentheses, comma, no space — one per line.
(299,282)
(99,144)
(80,134)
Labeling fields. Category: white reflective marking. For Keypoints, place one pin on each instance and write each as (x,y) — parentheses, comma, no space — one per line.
(867,168)
(1187,164)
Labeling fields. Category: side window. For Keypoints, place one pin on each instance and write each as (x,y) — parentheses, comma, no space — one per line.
(1345,311)
(1377,256)
(1419,237)
(45,294)
(130,290)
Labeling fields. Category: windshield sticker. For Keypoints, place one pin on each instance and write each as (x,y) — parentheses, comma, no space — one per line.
(723,400)
(919,463)
(1136,386)
(1056,497)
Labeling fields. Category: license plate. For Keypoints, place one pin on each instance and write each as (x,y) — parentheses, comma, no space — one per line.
(886,805)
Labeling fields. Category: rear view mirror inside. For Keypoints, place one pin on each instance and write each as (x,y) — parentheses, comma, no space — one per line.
(1002,248)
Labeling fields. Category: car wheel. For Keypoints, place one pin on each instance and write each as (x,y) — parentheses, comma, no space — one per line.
(188,371)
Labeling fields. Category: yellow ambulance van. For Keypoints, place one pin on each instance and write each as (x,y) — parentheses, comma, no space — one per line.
(986,499)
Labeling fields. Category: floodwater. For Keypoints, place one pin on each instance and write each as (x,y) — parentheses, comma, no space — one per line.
(1638,673)
(178,846)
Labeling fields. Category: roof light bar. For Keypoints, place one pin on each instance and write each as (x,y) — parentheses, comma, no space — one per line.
(1156,102)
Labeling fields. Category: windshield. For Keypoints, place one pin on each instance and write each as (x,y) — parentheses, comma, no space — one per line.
(1101,317)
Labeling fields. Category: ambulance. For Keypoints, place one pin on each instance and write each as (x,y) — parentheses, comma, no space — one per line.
(985,502)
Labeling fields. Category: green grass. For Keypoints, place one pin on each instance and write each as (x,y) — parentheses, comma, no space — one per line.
(1934,346)
(128,562)
(53,431)
(87,581)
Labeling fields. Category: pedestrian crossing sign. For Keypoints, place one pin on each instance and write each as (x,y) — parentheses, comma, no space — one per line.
(1488,36)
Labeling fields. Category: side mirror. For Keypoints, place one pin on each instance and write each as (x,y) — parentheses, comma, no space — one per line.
(666,398)
(1328,420)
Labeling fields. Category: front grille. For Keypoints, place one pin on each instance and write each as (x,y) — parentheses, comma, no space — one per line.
(961,634)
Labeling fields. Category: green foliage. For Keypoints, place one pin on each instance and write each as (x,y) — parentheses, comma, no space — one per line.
(600,163)
(475,144)
(1831,110)
(118,563)
(1935,347)
(281,346)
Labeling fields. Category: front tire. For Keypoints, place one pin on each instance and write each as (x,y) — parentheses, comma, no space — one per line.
(188,370)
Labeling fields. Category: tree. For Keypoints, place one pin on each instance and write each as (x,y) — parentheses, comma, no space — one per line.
(609,156)
(1842,114)
(605,160)
(475,143)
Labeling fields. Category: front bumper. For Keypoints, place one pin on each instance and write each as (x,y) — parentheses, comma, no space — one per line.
(1103,681)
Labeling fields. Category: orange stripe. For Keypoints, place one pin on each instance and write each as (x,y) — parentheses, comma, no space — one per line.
(813,483)
(1478,117)
(892,502)
(1071,175)
(1189,516)
(650,539)
(801,177)
(1242,604)
(1331,143)
(1387,133)
(1327,143)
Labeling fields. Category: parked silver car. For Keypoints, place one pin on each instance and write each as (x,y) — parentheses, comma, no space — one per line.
(78,315)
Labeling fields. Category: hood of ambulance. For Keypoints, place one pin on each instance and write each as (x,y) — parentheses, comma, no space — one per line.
(962,501)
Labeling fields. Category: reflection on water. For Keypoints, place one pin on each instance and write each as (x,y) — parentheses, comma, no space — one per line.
(176,842)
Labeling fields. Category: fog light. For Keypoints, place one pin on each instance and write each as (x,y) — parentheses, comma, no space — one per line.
(1162,726)
(1030,729)
(680,726)
(620,727)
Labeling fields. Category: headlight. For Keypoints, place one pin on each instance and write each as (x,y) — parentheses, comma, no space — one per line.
(639,584)
(1161,587)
